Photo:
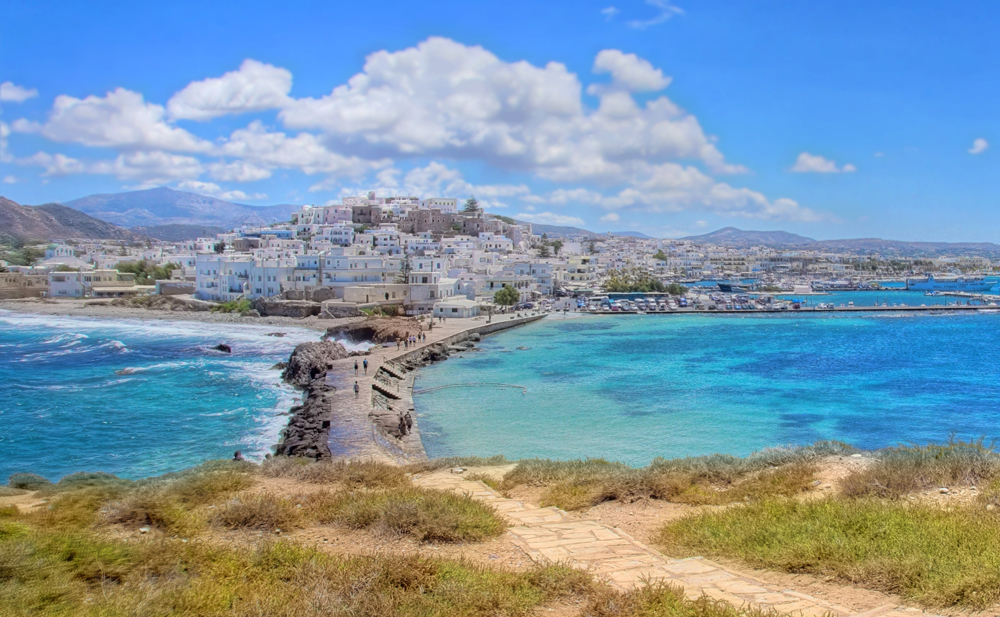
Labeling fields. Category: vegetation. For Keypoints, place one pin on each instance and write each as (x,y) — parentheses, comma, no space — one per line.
(220,247)
(147,272)
(676,289)
(935,556)
(632,280)
(660,255)
(506,219)
(21,255)
(472,205)
(506,296)
(241,306)
(405,268)
(356,474)
(660,599)
(707,480)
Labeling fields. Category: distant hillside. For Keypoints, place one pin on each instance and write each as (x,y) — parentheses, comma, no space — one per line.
(737,238)
(164,206)
(44,223)
(179,233)
(558,231)
(630,234)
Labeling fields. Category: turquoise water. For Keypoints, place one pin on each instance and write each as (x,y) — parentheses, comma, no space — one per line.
(136,398)
(635,387)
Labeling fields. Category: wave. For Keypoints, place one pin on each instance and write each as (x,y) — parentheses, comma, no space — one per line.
(349,346)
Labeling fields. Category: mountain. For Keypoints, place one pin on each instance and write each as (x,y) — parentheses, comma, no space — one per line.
(179,233)
(50,221)
(164,206)
(737,238)
(558,231)
(631,234)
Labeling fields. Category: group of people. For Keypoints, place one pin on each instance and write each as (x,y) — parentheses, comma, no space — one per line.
(405,424)
(365,364)
(412,339)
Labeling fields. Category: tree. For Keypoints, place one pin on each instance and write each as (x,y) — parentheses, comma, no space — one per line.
(507,296)
(472,205)
(592,248)
(220,247)
(660,255)
(543,251)
(404,271)
(557,246)
(147,272)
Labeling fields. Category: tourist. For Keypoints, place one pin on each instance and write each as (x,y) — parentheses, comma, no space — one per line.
(357,390)
(366,366)
(402,426)
(409,421)
(238,456)
(355,368)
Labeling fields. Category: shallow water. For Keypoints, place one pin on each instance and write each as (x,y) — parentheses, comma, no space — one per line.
(136,397)
(635,387)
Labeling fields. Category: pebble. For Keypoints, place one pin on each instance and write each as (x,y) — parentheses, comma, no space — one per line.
(943,491)
(458,470)
(990,507)
(144,530)
(855,456)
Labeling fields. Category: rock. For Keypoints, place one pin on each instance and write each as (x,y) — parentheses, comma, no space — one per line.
(523,348)
(855,456)
(280,366)
(375,330)
(223,348)
(991,507)
(310,360)
(277,334)
(475,337)
(458,470)
(144,530)
(943,491)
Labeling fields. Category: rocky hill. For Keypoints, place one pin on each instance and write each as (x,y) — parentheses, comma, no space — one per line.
(164,206)
(43,223)
(731,236)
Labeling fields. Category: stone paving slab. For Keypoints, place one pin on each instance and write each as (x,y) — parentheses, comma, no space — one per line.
(551,535)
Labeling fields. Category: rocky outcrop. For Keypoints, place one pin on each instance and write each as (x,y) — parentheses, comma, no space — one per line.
(273,307)
(433,353)
(310,360)
(375,330)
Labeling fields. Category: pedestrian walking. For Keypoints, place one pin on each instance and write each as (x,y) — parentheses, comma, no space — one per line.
(355,368)
(366,366)
(409,421)
(357,390)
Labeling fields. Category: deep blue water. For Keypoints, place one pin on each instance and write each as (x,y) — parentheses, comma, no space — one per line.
(136,398)
(635,387)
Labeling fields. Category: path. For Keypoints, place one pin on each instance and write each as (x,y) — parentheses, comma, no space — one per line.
(550,535)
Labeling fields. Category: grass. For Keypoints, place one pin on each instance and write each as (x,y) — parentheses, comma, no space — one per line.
(458,461)
(932,555)
(358,474)
(708,480)
(260,511)
(899,471)
(662,600)
(233,306)
(426,515)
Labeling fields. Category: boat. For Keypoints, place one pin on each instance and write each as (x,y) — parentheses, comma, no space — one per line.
(731,287)
(949,283)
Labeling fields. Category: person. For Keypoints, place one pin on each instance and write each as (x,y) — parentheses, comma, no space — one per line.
(406,343)
(355,368)
(366,366)
(397,342)
(402,426)
(238,456)
(357,390)
(409,421)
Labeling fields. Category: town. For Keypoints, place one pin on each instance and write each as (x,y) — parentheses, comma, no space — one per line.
(440,256)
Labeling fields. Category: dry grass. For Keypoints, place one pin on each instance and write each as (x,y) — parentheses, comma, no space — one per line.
(429,516)
(27,481)
(457,461)
(367,474)
(662,600)
(899,471)
(260,511)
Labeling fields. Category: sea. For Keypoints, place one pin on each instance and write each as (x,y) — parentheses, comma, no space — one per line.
(135,397)
(636,387)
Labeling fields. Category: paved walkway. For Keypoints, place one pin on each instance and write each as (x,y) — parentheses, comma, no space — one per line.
(550,535)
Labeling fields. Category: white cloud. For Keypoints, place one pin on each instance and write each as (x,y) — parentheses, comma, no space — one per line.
(54,164)
(609,13)
(254,87)
(147,168)
(5,157)
(814,163)
(237,171)
(549,218)
(664,11)
(610,217)
(979,146)
(12,93)
(214,190)
(10,180)
(121,119)
(629,72)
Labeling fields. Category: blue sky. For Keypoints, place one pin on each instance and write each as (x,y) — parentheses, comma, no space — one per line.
(827,119)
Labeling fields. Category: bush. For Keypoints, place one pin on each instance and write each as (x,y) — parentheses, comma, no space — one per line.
(27,481)
(935,556)
(659,598)
(357,474)
(902,470)
(261,511)
(233,306)
(421,513)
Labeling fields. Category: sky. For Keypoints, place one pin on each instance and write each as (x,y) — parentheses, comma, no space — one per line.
(828,119)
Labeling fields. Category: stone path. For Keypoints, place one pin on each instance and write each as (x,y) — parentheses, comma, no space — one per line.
(550,535)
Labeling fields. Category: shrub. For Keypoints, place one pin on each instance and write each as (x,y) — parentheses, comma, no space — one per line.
(356,474)
(421,513)
(902,470)
(935,556)
(6,491)
(242,307)
(660,598)
(259,511)
(28,481)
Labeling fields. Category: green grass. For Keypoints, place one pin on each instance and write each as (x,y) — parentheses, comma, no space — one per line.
(706,480)
(427,515)
(934,556)
(233,306)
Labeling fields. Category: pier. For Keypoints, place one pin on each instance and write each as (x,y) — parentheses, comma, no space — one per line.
(933,309)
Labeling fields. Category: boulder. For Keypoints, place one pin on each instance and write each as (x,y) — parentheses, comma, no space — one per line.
(223,348)
(310,360)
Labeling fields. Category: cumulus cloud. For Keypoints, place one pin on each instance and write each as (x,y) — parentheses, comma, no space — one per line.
(12,93)
(10,179)
(549,218)
(5,156)
(630,72)
(609,13)
(813,163)
(979,146)
(147,168)
(255,86)
(237,171)
(121,119)
(610,217)
(664,11)
(54,164)
(214,190)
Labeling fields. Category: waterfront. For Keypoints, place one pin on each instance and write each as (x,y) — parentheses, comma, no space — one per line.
(134,397)
(636,387)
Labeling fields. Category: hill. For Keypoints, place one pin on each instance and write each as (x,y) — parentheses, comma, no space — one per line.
(558,231)
(178,232)
(738,238)
(49,221)
(165,206)
(631,234)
